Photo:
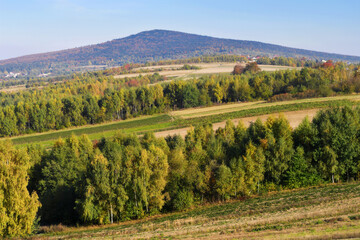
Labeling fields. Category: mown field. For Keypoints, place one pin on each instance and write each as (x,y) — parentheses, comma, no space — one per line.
(144,123)
(185,118)
(235,107)
(323,212)
(205,68)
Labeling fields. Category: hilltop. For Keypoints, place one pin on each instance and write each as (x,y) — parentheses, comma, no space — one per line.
(155,45)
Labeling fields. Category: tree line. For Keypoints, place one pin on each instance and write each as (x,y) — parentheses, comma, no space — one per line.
(284,61)
(128,177)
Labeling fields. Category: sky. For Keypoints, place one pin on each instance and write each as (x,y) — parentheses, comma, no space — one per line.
(36,26)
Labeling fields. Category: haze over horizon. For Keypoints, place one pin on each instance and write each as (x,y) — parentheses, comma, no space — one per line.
(39,26)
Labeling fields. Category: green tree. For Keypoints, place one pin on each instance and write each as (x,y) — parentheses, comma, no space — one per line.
(191,96)
(96,205)
(63,170)
(329,164)
(278,148)
(253,163)
(300,173)
(338,129)
(238,176)
(118,179)
(223,185)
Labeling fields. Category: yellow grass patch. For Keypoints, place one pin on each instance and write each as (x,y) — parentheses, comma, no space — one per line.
(206,68)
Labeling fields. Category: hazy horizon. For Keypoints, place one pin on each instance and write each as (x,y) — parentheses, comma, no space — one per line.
(39,26)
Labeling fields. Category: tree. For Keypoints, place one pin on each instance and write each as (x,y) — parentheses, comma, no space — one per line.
(305,136)
(300,173)
(223,185)
(22,117)
(96,204)
(329,164)
(253,164)
(256,131)
(159,167)
(118,179)
(218,93)
(238,176)
(338,129)
(191,96)
(238,69)
(8,121)
(176,184)
(91,109)
(17,207)
(252,68)
(278,148)
(63,170)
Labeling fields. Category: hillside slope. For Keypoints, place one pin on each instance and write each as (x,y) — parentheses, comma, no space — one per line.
(325,212)
(156,45)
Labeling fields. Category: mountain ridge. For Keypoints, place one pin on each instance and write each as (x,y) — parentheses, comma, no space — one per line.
(157,44)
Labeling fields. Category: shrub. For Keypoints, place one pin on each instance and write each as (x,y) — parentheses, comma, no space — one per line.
(184,199)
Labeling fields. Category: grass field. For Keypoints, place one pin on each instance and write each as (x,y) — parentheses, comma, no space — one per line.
(294,118)
(205,68)
(235,107)
(97,131)
(324,212)
(181,119)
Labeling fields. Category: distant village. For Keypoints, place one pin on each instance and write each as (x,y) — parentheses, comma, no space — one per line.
(18,74)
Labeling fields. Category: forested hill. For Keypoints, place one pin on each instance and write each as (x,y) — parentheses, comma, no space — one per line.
(156,45)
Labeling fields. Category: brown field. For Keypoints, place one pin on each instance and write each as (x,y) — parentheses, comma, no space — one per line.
(13,89)
(294,118)
(206,68)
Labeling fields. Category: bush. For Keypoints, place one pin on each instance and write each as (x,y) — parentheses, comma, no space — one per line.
(238,69)
(189,67)
(52,228)
(281,97)
(184,199)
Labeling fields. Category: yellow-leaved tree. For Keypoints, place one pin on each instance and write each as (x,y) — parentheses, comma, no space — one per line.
(17,207)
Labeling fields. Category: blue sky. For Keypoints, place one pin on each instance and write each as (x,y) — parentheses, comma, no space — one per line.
(34,26)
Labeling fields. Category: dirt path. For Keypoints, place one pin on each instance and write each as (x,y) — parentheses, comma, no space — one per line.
(294,118)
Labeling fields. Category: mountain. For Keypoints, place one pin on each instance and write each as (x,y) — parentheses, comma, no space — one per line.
(156,45)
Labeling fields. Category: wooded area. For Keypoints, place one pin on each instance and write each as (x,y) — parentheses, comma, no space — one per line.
(94,98)
(127,177)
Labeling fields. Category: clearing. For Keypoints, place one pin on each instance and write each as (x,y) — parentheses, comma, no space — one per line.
(325,212)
